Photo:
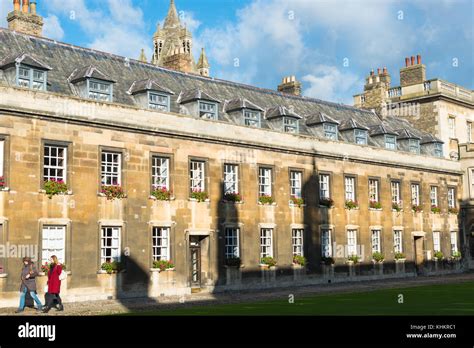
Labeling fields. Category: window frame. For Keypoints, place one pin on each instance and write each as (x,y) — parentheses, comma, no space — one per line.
(236,180)
(377,189)
(418,193)
(353,238)
(452,127)
(376,247)
(360,134)
(153,176)
(293,187)
(93,91)
(451,200)
(156,105)
(398,242)
(415,147)
(104,258)
(269,246)
(120,153)
(332,132)
(398,194)
(454,248)
(48,227)
(322,182)
(387,143)
(154,247)
(250,120)
(297,242)
(294,124)
(261,183)
(326,252)
(438,150)
(235,246)
(436,241)
(202,113)
(204,179)
(434,196)
(31,79)
(354,188)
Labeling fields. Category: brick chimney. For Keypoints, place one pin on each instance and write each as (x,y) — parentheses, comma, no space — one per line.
(413,73)
(24,19)
(290,85)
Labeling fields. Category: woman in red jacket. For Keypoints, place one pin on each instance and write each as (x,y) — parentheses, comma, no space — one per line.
(54,285)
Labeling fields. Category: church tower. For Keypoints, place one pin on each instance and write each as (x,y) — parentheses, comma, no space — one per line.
(173,45)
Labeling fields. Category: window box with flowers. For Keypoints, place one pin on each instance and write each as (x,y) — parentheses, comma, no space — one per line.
(296,201)
(111,267)
(377,257)
(299,261)
(161,194)
(266,200)
(435,209)
(456,256)
(353,259)
(112,192)
(351,205)
(453,211)
(438,256)
(375,205)
(397,207)
(163,265)
(3,184)
(55,187)
(417,208)
(326,202)
(267,262)
(199,196)
(232,197)
(400,257)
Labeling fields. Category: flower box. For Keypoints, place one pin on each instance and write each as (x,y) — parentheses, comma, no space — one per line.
(267,261)
(297,201)
(326,202)
(377,257)
(232,197)
(454,211)
(200,196)
(299,260)
(163,265)
(400,257)
(266,200)
(112,192)
(161,193)
(2,183)
(375,205)
(397,207)
(55,187)
(350,204)
(417,208)
(111,267)
(435,209)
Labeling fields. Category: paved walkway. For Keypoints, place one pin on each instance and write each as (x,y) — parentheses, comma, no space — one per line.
(128,305)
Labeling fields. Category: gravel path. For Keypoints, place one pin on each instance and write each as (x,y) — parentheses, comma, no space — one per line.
(140,304)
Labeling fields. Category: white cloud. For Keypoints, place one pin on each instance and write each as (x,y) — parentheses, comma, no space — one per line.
(6,6)
(52,28)
(330,83)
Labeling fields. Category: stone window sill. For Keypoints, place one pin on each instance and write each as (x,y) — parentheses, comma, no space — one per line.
(267,204)
(291,204)
(375,209)
(68,193)
(5,189)
(100,194)
(153,198)
(195,200)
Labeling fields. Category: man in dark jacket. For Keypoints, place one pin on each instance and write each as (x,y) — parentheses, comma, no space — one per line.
(28,284)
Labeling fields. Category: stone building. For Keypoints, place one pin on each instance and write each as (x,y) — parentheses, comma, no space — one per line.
(107,159)
(439,107)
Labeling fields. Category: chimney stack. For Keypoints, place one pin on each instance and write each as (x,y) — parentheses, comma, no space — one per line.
(26,6)
(290,86)
(412,74)
(24,19)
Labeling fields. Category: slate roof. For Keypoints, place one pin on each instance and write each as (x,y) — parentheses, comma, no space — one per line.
(407,134)
(86,72)
(68,61)
(351,123)
(148,85)
(22,58)
(241,103)
(381,129)
(319,118)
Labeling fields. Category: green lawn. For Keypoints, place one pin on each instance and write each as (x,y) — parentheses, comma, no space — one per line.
(445,299)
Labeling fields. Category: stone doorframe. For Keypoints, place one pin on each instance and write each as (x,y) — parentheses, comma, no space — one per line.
(206,252)
(418,238)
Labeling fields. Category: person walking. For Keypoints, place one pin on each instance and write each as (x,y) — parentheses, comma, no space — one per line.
(54,285)
(28,284)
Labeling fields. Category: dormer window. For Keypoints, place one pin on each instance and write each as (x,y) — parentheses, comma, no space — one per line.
(390,142)
(208,110)
(158,101)
(89,82)
(25,71)
(360,136)
(330,131)
(150,94)
(414,146)
(99,90)
(290,125)
(252,118)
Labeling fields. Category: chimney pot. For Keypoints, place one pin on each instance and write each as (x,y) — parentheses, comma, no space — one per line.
(418,59)
(33,7)
(378,71)
(26,6)
(407,61)
(16,5)
(412,60)
(372,72)
(384,69)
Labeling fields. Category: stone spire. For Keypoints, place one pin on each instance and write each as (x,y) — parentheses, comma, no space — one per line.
(203,64)
(172,19)
(142,57)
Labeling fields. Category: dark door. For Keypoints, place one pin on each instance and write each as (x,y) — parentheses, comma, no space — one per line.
(195,252)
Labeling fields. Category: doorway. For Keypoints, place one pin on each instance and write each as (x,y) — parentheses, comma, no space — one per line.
(419,253)
(195,261)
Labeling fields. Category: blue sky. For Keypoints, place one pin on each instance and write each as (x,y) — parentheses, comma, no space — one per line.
(329,45)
